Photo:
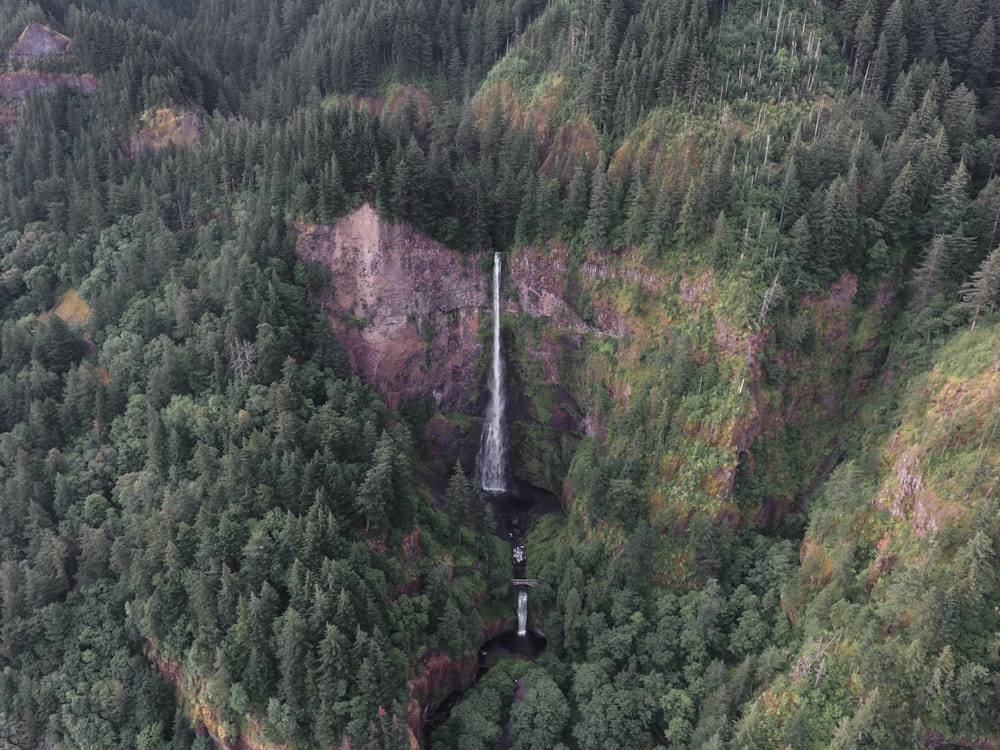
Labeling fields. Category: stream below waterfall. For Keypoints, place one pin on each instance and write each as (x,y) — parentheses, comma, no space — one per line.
(514,512)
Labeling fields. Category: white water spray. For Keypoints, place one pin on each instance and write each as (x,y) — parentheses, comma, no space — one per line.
(493,447)
(522,613)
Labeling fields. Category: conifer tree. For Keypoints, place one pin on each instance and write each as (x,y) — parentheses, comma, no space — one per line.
(896,212)
(638,210)
(576,205)
(293,658)
(950,205)
(982,54)
(958,116)
(932,272)
(981,293)
(840,225)
(460,495)
(595,230)
(377,496)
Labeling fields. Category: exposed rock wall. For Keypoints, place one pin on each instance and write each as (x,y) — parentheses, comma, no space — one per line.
(414,318)
(38,40)
(406,308)
(162,127)
(15,87)
(19,84)
(409,310)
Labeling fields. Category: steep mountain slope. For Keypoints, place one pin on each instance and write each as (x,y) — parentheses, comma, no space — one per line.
(896,592)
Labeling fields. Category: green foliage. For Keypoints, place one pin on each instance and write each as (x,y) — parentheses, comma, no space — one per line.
(539,718)
(476,721)
(191,475)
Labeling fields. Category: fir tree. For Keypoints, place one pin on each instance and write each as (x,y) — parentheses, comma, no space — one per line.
(980,294)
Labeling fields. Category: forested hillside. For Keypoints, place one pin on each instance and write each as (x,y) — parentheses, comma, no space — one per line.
(777,223)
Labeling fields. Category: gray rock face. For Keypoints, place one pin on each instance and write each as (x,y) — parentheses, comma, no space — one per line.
(38,40)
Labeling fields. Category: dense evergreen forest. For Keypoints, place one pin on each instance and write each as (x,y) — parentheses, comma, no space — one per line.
(207,522)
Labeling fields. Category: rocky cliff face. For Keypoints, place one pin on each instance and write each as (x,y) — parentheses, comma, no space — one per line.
(406,308)
(38,40)
(19,84)
(414,317)
(15,87)
(161,127)
(412,312)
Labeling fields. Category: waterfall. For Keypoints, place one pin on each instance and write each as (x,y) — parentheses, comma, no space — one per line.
(522,613)
(493,448)
(491,461)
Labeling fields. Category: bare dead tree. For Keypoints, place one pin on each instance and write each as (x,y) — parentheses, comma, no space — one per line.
(243,358)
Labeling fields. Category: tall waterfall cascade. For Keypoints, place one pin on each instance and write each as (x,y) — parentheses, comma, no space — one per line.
(492,456)
(491,462)
(522,613)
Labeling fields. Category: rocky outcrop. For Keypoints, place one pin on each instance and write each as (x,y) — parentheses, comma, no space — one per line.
(406,308)
(16,87)
(38,40)
(439,675)
(19,84)
(162,127)
(414,316)
(409,310)
(543,288)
